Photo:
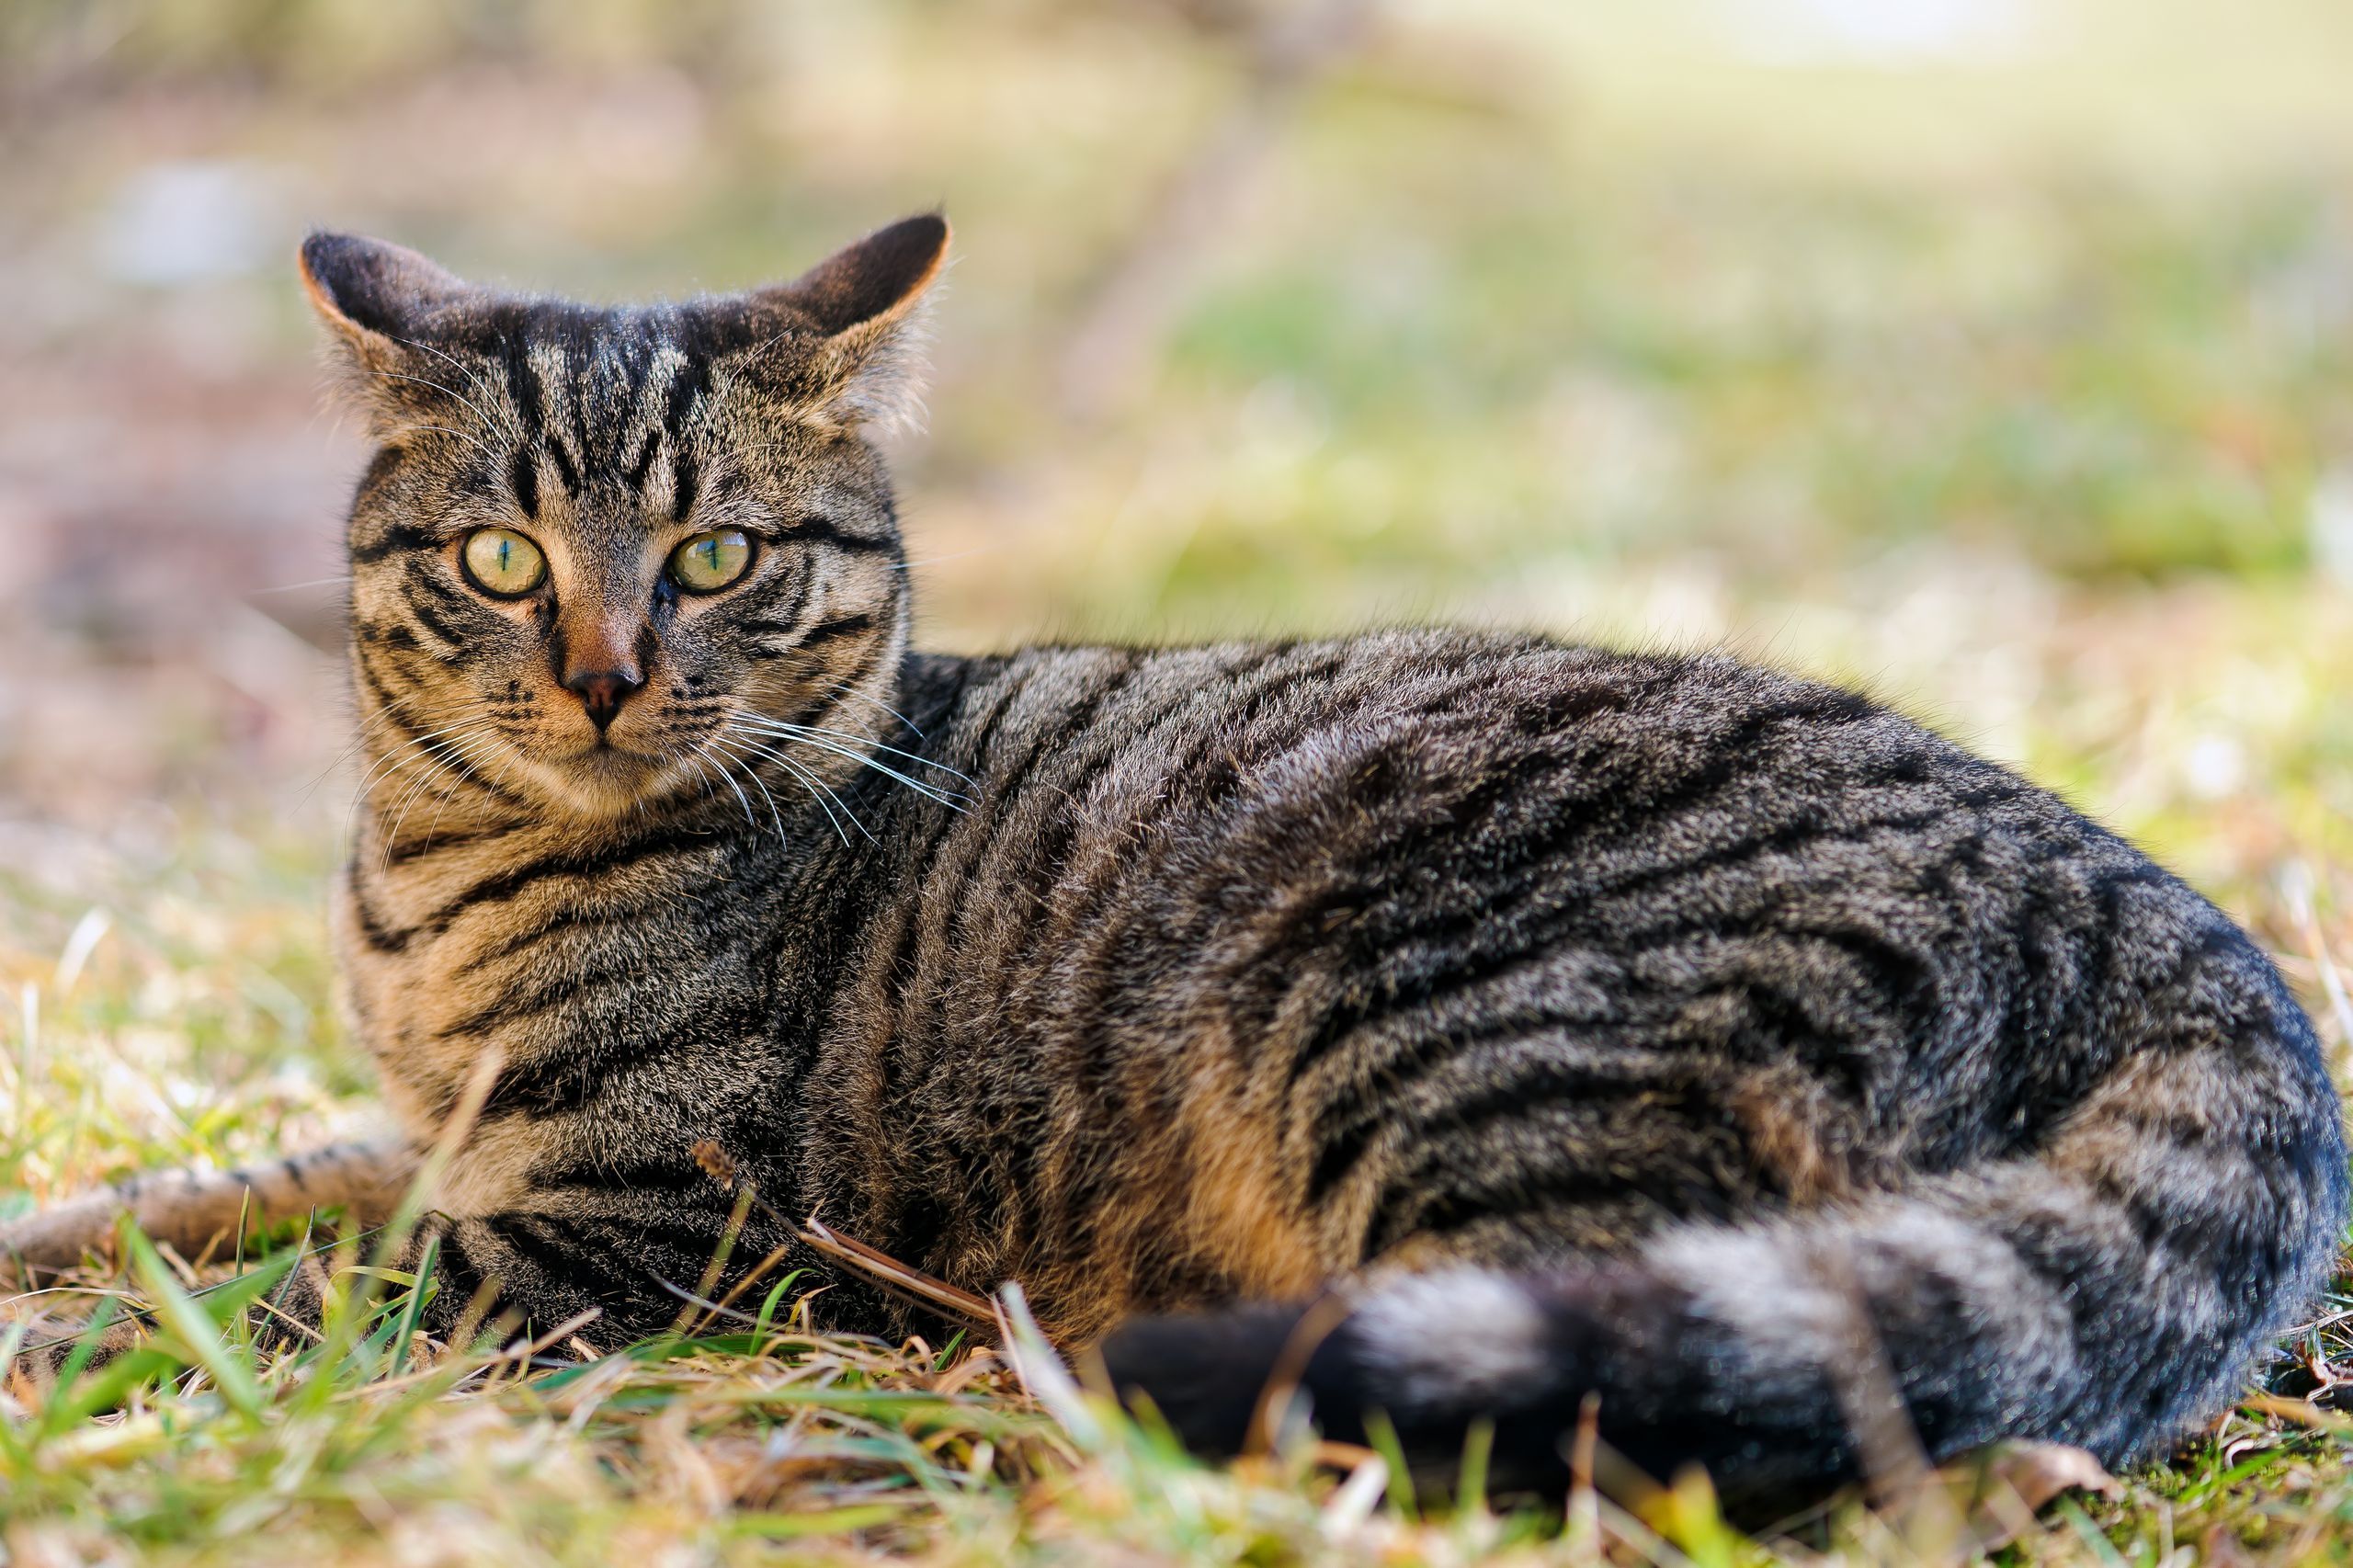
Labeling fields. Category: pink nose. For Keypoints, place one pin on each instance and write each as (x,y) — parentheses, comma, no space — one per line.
(602,692)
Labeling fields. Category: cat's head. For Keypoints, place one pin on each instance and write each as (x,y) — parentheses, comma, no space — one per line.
(601,554)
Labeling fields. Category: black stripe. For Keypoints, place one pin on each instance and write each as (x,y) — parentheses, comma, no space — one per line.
(1630,815)
(570,1078)
(817,531)
(1347,1122)
(782,619)
(378,936)
(583,371)
(834,630)
(1410,1204)
(430,619)
(1528,1087)
(684,477)
(522,384)
(508,883)
(523,474)
(900,971)
(823,704)
(383,695)
(403,852)
(519,1005)
(1739,853)
(564,468)
(392,636)
(1267,676)
(642,464)
(567,920)
(394,540)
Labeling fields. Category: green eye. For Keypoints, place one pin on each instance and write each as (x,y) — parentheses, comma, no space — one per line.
(707,562)
(503,563)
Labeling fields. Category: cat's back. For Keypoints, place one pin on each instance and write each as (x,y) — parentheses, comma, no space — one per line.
(1396,923)
(1403,813)
(1518,753)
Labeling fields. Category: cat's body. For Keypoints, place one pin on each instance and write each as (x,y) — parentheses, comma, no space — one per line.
(1654,1027)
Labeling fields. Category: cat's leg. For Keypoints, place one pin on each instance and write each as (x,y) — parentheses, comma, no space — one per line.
(606,1265)
(196,1212)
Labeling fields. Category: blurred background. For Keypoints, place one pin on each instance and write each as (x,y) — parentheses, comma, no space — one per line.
(1995,353)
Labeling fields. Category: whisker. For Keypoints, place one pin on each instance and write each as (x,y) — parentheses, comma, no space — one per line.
(360,790)
(462,436)
(729,778)
(929,791)
(951,555)
(294,587)
(758,783)
(701,771)
(842,689)
(496,742)
(472,376)
(779,726)
(810,784)
(442,762)
(488,424)
(342,756)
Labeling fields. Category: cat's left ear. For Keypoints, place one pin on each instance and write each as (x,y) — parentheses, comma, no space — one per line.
(843,341)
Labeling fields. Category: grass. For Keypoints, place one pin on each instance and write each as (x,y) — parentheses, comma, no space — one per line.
(2015,393)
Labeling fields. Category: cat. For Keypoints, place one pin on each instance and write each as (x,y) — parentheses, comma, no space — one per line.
(1454,1025)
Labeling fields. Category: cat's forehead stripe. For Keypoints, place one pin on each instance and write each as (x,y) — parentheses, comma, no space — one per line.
(607,396)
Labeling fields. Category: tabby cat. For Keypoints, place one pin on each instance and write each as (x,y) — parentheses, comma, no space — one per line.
(1462,1024)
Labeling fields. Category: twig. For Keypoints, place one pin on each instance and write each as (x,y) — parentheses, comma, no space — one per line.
(878,1267)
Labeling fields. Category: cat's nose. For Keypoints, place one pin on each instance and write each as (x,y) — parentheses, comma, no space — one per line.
(602,692)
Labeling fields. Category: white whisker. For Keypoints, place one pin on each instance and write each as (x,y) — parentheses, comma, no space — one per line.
(779,727)
(462,436)
(729,778)
(490,425)
(810,784)
(725,755)
(816,743)
(440,763)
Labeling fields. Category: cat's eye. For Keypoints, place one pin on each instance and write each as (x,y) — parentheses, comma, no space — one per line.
(503,563)
(707,562)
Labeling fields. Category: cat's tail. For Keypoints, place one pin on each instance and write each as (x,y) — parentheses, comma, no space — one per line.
(2106,1290)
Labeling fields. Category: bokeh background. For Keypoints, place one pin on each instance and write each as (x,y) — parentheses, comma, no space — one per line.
(1995,354)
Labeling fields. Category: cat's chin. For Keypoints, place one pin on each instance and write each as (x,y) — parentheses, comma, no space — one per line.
(607,781)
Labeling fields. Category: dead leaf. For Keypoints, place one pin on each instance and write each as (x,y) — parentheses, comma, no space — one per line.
(2005,1487)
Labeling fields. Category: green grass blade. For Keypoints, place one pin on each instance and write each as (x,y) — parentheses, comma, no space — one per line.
(187,1323)
(419,1293)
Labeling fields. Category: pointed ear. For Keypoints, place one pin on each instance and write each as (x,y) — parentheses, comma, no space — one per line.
(843,341)
(382,302)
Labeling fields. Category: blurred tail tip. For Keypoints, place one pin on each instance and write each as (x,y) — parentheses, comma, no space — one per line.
(1432,1347)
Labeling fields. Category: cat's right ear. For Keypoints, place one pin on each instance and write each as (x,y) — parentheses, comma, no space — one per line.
(383,305)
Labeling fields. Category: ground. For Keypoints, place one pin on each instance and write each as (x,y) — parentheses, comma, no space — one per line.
(2006,370)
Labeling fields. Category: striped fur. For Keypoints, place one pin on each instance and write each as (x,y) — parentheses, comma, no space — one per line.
(1654,1027)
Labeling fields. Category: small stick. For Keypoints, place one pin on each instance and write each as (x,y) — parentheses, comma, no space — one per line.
(903,1280)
